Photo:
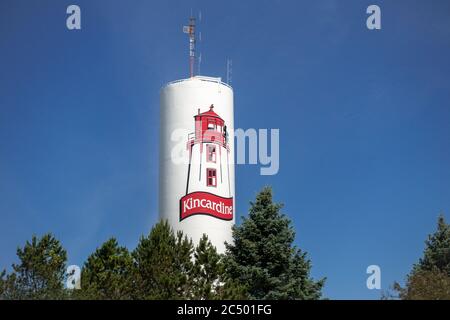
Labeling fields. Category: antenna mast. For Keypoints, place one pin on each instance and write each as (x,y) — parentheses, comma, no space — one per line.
(190,30)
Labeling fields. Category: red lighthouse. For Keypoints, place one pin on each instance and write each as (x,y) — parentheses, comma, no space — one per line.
(208,186)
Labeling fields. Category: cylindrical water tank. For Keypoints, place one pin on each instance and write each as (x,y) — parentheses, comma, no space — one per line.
(196,166)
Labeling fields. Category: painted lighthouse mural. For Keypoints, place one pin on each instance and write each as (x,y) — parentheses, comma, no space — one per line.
(208,183)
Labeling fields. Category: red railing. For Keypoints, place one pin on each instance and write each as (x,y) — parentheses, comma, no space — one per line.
(208,136)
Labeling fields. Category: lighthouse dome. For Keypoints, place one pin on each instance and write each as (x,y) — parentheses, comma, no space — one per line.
(209,113)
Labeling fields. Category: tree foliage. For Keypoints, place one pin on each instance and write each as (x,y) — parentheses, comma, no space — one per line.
(40,273)
(210,280)
(430,277)
(168,266)
(163,264)
(425,285)
(107,273)
(3,284)
(263,258)
(437,250)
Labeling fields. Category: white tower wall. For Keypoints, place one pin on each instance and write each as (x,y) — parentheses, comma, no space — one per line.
(180,102)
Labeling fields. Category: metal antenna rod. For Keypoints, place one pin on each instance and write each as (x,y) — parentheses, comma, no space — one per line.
(190,30)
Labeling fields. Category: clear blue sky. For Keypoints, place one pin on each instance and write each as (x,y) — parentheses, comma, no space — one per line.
(364,119)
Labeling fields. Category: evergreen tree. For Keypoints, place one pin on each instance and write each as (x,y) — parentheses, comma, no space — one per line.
(40,274)
(437,250)
(210,280)
(263,259)
(163,264)
(8,287)
(207,270)
(430,277)
(425,285)
(2,284)
(107,274)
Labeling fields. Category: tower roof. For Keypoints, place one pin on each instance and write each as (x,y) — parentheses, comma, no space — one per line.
(209,113)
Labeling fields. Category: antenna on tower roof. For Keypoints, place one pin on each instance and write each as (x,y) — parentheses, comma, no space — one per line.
(190,30)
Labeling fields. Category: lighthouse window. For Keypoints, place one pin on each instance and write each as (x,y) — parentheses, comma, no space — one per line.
(211,155)
(211,125)
(211,178)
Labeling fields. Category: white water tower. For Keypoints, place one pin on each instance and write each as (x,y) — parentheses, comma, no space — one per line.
(196,167)
(196,182)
